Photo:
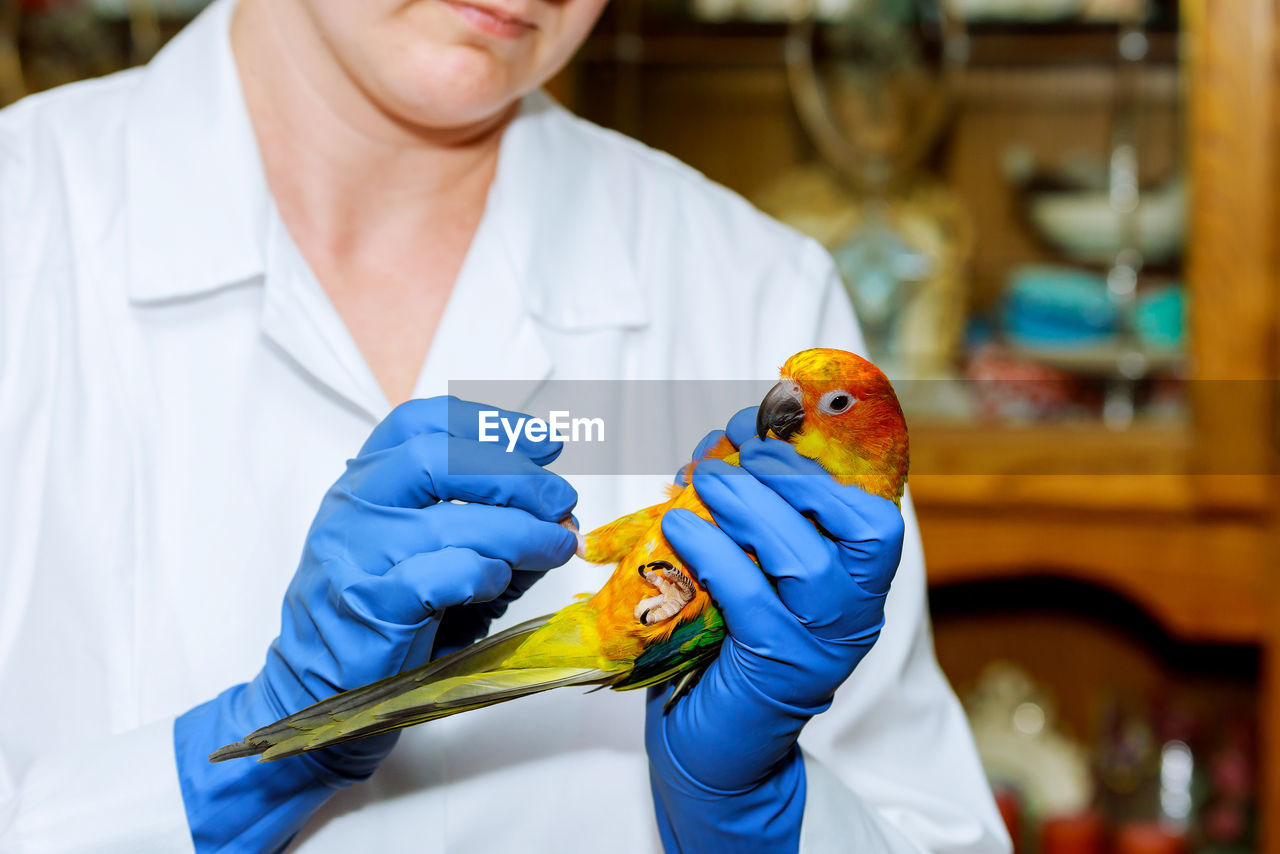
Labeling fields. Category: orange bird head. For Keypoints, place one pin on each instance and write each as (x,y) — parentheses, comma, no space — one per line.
(839,410)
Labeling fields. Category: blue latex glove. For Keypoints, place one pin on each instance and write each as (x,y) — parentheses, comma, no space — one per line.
(390,571)
(726,772)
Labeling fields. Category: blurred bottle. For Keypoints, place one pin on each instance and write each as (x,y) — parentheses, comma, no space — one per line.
(1228,819)
(1181,771)
(1128,762)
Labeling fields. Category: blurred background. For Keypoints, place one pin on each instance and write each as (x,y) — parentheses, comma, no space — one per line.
(1057,219)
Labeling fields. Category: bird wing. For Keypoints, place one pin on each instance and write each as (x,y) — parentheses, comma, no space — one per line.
(471,678)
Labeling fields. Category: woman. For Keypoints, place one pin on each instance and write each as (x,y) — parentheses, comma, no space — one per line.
(217,275)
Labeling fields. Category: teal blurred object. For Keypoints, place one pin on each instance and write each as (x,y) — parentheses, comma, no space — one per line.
(1057,308)
(1159,318)
(883,272)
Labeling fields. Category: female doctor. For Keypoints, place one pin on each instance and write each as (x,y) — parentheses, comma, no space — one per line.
(218,275)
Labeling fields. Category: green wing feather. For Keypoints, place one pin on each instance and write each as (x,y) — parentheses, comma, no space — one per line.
(691,645)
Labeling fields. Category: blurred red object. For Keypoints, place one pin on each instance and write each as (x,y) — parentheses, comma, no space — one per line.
(1144,837)
(1224,822)
(1231,764)
(1074,834)
(1008,386)
(1010,806)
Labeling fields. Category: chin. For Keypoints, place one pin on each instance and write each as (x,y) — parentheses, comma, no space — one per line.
(453,86)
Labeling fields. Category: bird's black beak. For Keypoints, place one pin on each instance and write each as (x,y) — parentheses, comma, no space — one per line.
(780,412)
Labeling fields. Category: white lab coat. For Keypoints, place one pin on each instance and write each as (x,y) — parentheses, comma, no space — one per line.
(176,394)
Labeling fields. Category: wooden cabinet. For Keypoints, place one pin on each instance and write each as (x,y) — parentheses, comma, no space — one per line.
(1180,519)
(1189,531)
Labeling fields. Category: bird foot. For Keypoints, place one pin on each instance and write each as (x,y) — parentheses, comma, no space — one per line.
(675,590)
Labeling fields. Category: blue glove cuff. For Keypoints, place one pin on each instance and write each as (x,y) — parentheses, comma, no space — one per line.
(244,805)
(762,819)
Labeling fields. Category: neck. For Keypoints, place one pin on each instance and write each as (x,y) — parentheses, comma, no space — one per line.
(875,465)
(350,179)
(888,486)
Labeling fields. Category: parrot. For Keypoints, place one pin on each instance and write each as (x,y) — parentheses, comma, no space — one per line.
(652,622)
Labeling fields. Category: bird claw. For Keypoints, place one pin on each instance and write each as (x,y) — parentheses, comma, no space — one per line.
(675,590)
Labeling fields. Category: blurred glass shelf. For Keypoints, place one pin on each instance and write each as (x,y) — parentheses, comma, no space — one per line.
(678,40)
(1108,360)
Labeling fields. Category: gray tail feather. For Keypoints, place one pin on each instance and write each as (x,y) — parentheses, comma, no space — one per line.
(235,751)
(478,656)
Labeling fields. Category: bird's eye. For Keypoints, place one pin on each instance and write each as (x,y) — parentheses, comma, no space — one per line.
(835,402)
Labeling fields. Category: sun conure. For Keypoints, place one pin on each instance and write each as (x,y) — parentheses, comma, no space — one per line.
(652,621)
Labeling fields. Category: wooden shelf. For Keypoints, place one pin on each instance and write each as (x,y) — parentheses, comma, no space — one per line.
(1146,468)
(1204,580)
(1123,510)
(1053,448)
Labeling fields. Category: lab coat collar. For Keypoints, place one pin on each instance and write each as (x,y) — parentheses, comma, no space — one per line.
(197,205)
(191,146)
(559,213)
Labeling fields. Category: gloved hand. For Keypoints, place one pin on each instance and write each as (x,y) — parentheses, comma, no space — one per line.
(387,563)
(725,769)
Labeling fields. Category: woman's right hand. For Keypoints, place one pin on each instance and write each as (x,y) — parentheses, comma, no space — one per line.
(388,551)
(387,556)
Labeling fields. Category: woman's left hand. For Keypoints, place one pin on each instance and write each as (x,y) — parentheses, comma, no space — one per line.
(724,763)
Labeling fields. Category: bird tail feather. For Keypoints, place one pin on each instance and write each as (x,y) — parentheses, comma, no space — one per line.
(471,678)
